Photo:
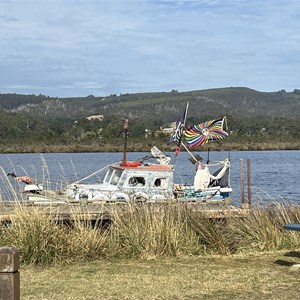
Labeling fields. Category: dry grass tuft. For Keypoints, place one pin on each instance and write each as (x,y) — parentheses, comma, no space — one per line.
(149,230)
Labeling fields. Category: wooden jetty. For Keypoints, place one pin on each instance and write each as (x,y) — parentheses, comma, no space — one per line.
(95,211)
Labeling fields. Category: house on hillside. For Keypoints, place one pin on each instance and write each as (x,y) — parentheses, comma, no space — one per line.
(166,130)
(95,117)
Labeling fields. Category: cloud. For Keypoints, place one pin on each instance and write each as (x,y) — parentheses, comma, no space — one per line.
(77,47)
(7,19)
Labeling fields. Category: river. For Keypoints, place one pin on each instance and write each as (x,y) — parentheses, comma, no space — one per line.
(274,174)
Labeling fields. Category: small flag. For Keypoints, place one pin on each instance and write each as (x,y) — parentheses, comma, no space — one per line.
(177,134)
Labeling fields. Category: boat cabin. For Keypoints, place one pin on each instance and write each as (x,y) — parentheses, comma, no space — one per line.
(151,180)
(123,183)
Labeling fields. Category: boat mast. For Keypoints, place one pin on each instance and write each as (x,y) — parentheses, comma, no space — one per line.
(125,127)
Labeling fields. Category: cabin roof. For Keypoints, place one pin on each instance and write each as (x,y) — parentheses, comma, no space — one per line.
(149,168)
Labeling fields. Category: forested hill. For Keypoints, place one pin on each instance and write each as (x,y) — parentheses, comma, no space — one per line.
(256,120)
(235,102)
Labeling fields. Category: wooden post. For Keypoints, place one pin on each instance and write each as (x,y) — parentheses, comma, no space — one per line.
(249,182)
(242,181)
(9,273)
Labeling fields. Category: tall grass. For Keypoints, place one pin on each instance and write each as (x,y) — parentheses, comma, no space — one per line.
(149,231)
(38,238)
(43,242)
(263,229)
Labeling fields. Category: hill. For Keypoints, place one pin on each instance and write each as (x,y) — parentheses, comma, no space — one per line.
(235,102)
(257,120)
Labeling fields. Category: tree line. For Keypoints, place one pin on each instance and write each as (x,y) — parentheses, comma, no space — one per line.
(20,130)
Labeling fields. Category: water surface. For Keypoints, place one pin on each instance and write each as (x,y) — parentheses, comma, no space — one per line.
(274,174)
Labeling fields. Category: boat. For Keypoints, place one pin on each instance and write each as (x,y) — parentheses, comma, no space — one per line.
(150,178)
(142,181)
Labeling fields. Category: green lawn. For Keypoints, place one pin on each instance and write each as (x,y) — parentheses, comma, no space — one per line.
(263,276)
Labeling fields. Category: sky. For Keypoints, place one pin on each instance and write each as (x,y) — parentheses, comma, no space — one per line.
(67,48)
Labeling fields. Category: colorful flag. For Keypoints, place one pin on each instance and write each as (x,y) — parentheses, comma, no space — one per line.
(198,135)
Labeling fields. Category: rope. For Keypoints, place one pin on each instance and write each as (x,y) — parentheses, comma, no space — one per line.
(94,173)
(222,162)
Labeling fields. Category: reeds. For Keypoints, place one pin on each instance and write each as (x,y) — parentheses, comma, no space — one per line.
(144,231)
(153,230)
(38,238)
(263,229)
(44,241)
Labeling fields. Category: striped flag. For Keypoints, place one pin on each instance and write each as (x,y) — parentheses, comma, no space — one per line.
(178,131)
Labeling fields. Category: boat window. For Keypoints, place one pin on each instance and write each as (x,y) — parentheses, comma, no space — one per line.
(161,182)
(137,181)
(108,175)
(122,179)
(115,177)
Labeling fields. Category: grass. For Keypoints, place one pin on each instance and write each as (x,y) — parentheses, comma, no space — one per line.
(158,252)
(44,242)
(147,231)
(253,276)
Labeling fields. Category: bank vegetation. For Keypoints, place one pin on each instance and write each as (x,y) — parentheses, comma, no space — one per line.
(255,120)
(144,231)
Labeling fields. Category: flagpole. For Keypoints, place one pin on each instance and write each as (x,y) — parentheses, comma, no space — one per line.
(190,153)
(207,155)
(186,111)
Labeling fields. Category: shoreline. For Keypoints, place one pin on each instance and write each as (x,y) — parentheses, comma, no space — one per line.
(16,149)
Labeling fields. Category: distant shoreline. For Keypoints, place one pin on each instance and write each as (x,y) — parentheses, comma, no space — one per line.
(15,149)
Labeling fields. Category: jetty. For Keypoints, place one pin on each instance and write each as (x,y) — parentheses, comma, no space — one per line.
(104,212)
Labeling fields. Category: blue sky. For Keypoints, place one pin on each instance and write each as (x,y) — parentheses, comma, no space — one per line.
(101,47)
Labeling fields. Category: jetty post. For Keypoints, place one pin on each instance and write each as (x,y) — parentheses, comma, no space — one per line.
(9,273)
(242,183)
(249,182)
